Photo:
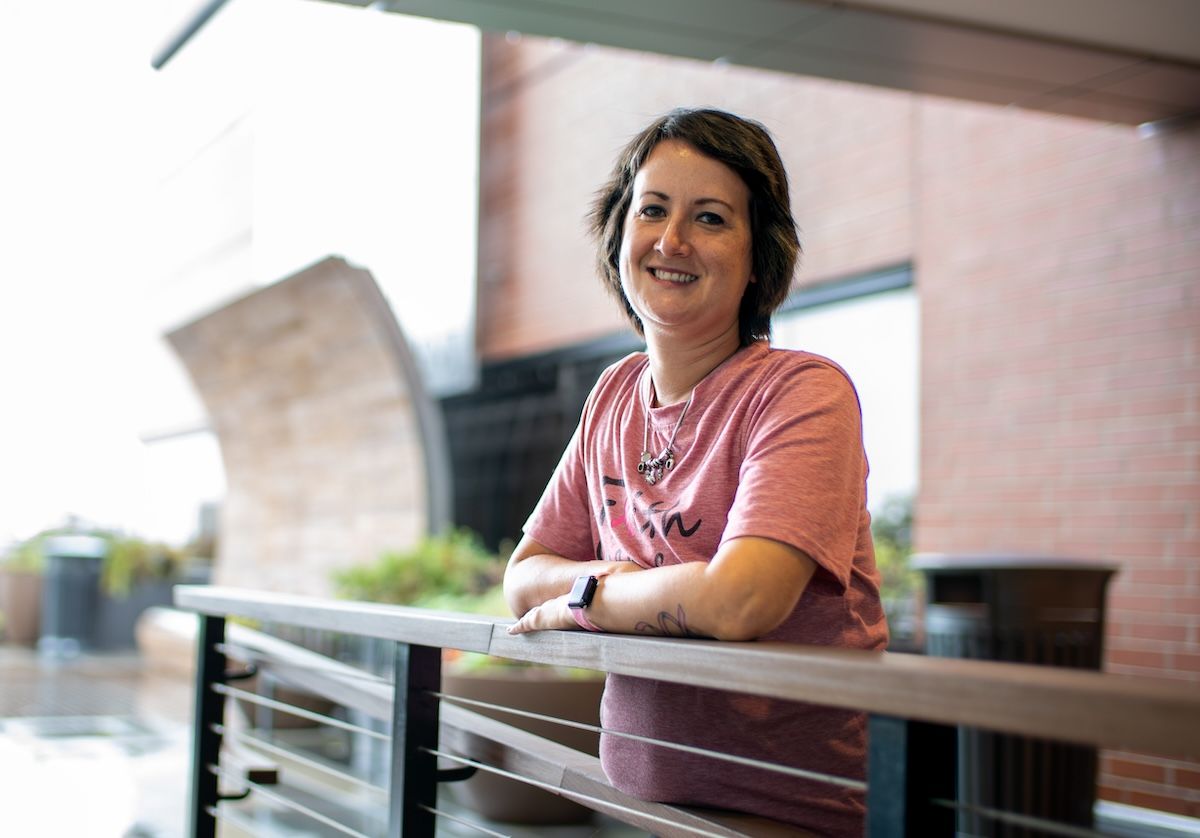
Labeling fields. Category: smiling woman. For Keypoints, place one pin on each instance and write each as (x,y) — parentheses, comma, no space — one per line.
(715,486)
(689,218)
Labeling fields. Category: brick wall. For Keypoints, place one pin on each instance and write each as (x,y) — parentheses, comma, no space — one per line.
(1058,266)
(554,118)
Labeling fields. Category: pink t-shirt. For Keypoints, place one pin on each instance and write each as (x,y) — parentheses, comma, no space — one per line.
(771,446)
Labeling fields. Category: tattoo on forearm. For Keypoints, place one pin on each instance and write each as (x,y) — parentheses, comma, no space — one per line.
(668,625)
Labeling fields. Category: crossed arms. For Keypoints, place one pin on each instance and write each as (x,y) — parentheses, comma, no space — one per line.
(749,588)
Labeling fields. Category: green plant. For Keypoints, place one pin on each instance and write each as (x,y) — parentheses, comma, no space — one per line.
(452,571)
(129,560)
(453,567)
(26,556)
(891,528)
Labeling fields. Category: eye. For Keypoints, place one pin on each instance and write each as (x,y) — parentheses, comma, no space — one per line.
(652,211)
(710,218)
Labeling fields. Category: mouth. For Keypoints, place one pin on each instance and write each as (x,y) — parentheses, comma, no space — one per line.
(673,276)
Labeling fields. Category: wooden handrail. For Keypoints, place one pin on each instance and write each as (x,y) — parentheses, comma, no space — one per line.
(547,764)
(1089,708)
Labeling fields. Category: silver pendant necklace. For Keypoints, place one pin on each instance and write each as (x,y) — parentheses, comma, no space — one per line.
(653,468)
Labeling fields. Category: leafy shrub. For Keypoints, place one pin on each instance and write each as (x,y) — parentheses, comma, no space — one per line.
(891,529)
(446,571)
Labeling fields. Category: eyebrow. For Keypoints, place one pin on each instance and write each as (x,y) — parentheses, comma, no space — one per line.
(664,196)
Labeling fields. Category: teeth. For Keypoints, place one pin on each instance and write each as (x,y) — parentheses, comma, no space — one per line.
(672,276)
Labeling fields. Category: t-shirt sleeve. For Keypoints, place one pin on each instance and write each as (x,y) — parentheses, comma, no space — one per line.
(562,520)
(803,477)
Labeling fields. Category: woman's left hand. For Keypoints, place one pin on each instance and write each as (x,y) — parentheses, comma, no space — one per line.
(551,614)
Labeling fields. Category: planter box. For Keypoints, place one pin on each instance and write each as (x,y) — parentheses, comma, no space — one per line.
(116,617)
(20,604)
(539,691)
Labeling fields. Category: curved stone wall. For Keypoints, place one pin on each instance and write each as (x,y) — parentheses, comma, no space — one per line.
(333,450)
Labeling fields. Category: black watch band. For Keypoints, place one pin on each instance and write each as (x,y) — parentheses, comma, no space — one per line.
(582,592)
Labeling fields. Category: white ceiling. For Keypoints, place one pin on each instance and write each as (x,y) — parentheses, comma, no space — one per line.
(1127,61)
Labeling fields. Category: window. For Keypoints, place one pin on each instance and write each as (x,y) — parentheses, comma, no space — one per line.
(870,326)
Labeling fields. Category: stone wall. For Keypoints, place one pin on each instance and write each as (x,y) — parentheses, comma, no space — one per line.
(332,450)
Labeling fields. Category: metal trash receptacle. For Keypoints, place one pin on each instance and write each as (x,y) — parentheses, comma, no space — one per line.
(70,592)
(1024,609)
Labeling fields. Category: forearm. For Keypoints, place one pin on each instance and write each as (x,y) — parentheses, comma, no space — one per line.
(749,588)
(671,601)
(534,579)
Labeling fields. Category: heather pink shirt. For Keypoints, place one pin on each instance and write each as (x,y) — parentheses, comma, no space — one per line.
(771,446)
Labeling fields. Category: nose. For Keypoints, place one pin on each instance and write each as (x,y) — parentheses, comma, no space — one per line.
(674,240)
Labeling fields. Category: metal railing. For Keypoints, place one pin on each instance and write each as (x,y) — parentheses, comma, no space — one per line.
(915,706)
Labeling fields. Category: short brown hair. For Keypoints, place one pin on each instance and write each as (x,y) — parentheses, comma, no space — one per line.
(744,146)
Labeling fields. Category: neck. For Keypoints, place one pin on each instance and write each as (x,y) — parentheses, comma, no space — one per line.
(677,368)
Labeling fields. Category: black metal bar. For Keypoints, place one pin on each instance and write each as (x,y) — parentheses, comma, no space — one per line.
(185,33)
(206,742)
(414,773)
(909,765)
(456,775)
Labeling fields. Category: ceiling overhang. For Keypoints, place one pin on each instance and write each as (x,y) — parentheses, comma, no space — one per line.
(1125,61)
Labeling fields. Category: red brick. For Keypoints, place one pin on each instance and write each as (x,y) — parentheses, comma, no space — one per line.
(1184,604)
(1185,662)
(1186,548)
(1116,795)
(1137,770)
(1159,575)
(1120,599)
(1164,803)
(1150,631)
(1139,659)
(1188,778)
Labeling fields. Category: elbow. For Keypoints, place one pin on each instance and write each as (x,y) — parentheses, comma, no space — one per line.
(737,631)
(519,594)
(512,596)
(734,633)
(750,618)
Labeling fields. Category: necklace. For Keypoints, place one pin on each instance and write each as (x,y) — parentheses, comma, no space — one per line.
(653,468)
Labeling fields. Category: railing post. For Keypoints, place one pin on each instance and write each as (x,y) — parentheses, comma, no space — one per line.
(209,709)
(910,764)
(414,728)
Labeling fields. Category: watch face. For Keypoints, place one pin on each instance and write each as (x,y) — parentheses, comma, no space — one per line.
(582,592)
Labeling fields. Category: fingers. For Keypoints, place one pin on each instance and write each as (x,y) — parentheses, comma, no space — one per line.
(553,614)
(523,625)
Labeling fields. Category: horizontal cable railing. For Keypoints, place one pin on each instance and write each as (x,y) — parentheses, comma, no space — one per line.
(915,703)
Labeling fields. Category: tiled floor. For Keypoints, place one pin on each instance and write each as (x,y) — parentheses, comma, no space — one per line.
(91,747)
(97,747)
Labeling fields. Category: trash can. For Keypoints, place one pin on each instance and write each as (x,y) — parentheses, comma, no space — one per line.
(70,593)
(1038,610)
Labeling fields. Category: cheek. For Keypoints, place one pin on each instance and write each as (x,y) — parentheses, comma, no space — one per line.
(630,254)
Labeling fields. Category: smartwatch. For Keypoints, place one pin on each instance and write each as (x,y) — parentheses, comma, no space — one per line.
(582,591)
(580,598)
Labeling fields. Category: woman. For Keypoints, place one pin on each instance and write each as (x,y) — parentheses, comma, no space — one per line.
(715,487)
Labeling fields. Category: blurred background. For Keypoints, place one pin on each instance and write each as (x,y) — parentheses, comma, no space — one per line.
(1000,213)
